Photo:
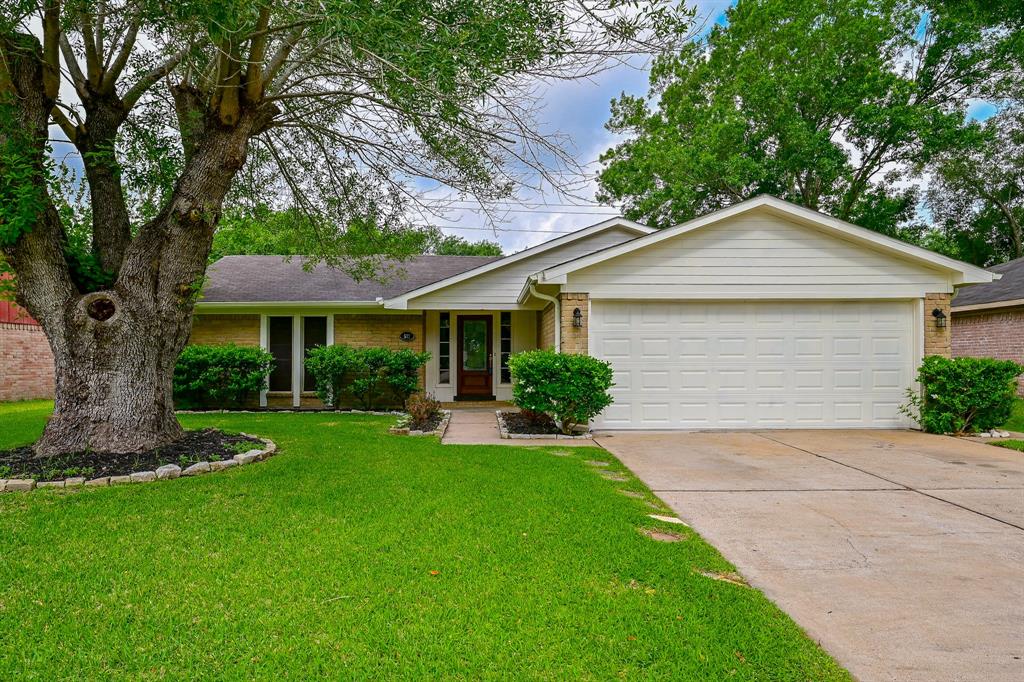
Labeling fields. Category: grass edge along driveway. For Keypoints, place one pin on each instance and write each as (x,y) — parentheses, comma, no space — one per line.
(358,554)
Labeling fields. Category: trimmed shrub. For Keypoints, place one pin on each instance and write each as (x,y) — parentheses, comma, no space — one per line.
(215,376)
(572,389)
(963,395)
(387,373)
(333,369)
(373,377)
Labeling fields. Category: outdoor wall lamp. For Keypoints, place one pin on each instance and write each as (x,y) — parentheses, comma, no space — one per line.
(577,318)
(940,318)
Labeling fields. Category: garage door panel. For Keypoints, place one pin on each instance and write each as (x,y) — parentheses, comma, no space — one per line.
(750,365)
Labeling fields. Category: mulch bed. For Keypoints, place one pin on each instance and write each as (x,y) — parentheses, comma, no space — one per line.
(430,424)
(206,445)
(515,422)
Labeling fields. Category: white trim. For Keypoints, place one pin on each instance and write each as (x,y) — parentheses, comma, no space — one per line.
(213,306)
(402,302)
(296,360)
(330,329)
(265,345)
(965,272)
(1015,302)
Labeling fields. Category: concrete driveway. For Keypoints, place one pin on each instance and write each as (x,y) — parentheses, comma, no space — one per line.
(900,552)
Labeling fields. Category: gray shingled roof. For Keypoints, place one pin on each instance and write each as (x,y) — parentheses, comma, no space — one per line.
(1009,288)
(253,279)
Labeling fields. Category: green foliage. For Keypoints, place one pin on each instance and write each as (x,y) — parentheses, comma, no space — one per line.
(454,245)
(215,376)
(332,368)
(961,395)
(977,194)
(24,164)
(373,377)
(262,231)
(833,104)
(572,389)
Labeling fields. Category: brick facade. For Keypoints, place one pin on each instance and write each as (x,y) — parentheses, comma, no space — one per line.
(26,362)
(546,327)
(937,339)
(990,334)
(363,331)
(574,339)
(214,330)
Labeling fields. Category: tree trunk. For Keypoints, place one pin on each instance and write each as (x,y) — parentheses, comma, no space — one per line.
(114,364)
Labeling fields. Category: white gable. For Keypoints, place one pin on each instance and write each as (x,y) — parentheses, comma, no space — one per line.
(498,288)
(757,254)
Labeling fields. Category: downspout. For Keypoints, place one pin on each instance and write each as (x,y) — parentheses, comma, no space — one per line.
(558,316)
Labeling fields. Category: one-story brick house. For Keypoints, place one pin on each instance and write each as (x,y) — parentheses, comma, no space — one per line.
(760,315)
(988,319)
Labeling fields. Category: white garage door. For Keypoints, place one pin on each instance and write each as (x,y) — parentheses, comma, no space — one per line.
(754,364)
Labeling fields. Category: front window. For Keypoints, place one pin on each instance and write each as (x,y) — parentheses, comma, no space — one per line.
(444,373)
(280,346)
(506,347)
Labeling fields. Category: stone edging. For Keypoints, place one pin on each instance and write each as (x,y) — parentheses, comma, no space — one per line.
(164,473)
(503,430)
(400,429)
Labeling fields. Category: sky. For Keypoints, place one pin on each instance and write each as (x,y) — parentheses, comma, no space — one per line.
(580,110)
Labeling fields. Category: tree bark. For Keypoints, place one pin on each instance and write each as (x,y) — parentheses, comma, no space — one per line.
(113,378)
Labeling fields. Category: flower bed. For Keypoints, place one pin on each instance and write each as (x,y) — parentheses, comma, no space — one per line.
(436,427)
(512,425)
(199,452)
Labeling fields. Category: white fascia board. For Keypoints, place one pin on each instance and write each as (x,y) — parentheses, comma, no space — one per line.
(402,302)
(965,273)
(220,305)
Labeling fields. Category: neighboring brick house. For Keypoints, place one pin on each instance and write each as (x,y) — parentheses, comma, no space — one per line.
(988,319)
(26,362)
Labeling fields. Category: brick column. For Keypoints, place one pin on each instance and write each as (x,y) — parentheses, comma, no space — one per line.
(937,340)
(574,339)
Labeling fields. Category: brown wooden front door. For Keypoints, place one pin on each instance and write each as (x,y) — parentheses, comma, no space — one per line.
(475,358)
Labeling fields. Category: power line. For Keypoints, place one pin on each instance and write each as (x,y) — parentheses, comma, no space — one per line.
(496,230)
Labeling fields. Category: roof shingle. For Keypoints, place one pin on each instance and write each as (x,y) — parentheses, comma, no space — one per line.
(266,279)
(1009,288)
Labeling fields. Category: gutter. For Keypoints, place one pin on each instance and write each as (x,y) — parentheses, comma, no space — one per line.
(558,314)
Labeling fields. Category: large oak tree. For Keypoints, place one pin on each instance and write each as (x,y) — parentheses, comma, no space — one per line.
(170,106)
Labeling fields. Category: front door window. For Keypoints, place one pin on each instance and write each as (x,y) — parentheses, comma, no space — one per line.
(474,345)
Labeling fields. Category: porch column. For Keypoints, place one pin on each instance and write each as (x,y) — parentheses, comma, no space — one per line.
(573,338)
(937,340)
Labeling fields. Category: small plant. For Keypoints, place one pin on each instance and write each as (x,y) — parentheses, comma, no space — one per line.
(424,411)
(220,375)
(572,389)
(963,395)
(5,471)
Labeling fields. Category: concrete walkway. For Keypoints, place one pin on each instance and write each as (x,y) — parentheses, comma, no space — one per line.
(479,426)
(901,553)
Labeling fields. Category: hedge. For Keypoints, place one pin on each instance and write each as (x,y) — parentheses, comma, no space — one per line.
(571,389)
(220,376)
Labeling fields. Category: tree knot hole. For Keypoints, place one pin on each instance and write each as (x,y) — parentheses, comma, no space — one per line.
(101,309)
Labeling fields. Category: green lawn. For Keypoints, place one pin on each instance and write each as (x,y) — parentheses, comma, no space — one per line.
(357,554)
(1016,422)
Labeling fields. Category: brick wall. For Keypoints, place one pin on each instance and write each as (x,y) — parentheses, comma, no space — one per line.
(937,339)
(574,339)
(214,330)
(363,331)
(546,327)
(26,363)
(990,334)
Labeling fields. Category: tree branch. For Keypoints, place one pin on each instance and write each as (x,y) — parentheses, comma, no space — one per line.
(257,53)
(111,75)
(51,48)
(148,79)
